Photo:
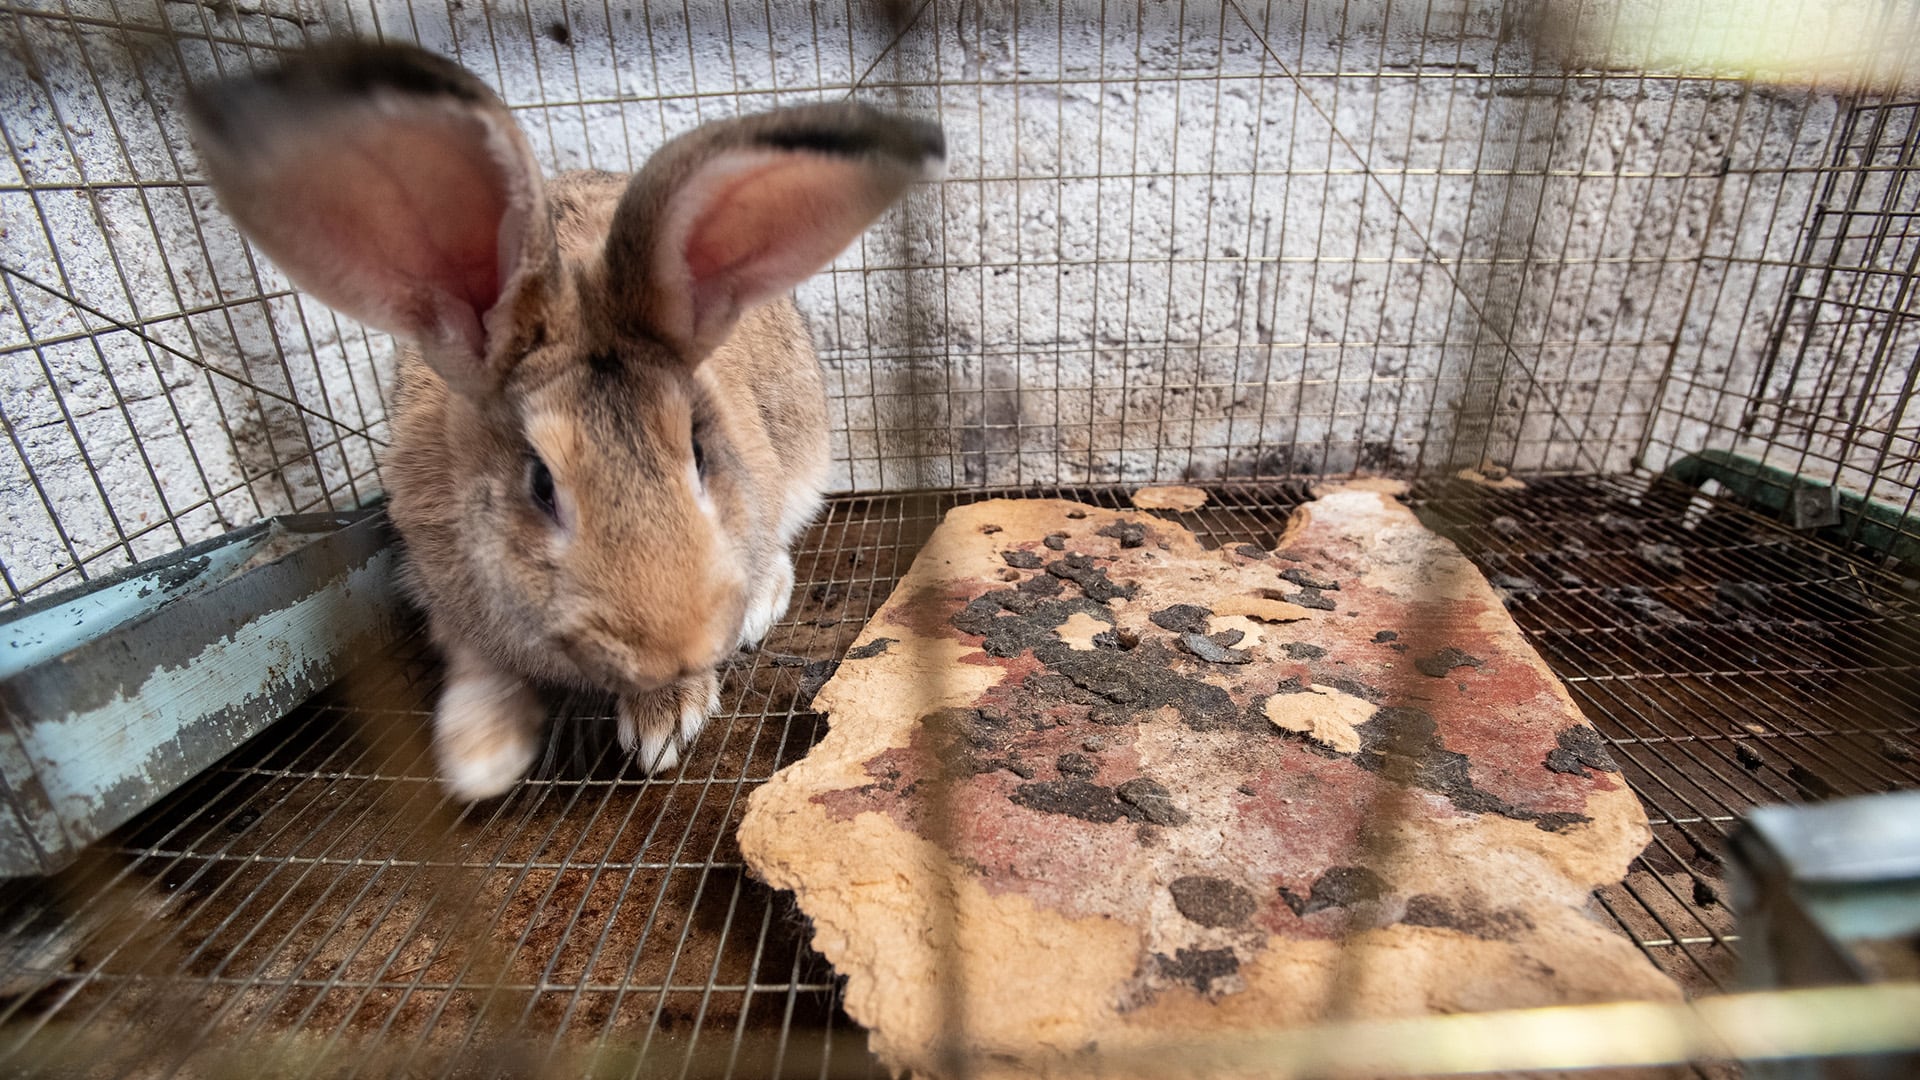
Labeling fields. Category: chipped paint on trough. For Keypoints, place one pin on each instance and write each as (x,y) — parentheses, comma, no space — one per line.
(137,703)
(44,630)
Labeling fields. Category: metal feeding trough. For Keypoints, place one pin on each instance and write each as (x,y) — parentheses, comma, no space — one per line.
(115,695)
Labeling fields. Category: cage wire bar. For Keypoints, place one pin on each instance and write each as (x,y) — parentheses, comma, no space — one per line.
(1242,244)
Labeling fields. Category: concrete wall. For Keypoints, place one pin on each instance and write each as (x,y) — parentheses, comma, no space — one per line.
(1171,245)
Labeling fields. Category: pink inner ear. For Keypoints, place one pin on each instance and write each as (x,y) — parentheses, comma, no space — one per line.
(772,226)
(407,206)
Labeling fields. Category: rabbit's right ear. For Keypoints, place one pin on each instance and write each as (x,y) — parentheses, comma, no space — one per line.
(393,185)
(734,213)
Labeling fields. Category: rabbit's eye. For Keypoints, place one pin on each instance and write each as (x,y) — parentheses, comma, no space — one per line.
(540,488)
(699,458)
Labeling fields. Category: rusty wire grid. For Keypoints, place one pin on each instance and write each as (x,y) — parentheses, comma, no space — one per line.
(314,886)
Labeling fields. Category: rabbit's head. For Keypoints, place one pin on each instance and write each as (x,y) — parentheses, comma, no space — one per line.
(607,498)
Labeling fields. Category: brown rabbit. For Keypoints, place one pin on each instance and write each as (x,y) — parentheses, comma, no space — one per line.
(611,425)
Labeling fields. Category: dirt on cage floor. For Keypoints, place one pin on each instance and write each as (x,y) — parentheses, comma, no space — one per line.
(317,883)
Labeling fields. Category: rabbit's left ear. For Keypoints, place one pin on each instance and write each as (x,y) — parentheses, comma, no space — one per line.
(733,214)
(394,186)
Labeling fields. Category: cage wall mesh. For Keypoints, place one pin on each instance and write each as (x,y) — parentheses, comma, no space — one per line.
(1221,242)
(1175,241)
(1831,395)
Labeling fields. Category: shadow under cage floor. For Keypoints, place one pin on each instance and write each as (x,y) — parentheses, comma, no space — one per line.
(314,906)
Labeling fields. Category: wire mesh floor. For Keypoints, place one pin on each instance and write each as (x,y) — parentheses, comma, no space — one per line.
(313,905)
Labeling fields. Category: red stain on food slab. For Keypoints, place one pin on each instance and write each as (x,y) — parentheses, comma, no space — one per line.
(1084,776)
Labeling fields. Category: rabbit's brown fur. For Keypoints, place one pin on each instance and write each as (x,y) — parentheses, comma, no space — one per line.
(627,337)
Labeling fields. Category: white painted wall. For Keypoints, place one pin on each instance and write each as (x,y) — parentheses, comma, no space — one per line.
(1168,247)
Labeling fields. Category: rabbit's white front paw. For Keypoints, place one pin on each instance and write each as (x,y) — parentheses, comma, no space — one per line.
(658,726)
(766,609)
(486,728)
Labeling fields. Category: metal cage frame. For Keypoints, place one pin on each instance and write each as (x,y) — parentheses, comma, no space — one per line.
(1244,245)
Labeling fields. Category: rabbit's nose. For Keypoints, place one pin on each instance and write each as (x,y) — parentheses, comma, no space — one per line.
(609,668)
(625,668)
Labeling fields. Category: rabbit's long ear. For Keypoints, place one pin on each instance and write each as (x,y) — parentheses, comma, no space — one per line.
(735,213)
(394,186)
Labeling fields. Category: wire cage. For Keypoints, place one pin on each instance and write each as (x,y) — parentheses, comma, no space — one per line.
(1657,262)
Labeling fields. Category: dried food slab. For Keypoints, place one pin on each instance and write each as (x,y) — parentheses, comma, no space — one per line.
(1180,498)
(1103,786)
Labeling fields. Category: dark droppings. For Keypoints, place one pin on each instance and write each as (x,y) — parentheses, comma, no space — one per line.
(1182,618)
(1514,588)
(1130,685)
(1811,782)
(989,529)
(1300,650)
(1355,688)
(1385,636)
(1307,581)
(1251,551)
(1437,665)
(1012,621)
(1122,685)
(1580,749)
(813,673)
(1704,894)
(1744,595)
(1747,756)
(871,649)
(1640,602)
(1022,560)
(1198,967)
(1131,534)
(1619,523)
(1151,801)
(1666,557)
(1091,578)
(1212,651)
(1073,798)
(1138,800)
(1402,743)
(1212,902)
(1340,886)
(1041,585)
(1045,686)
(1055,541)
(1312,598)
(1702,854)
(1426,909)
(1075,766)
